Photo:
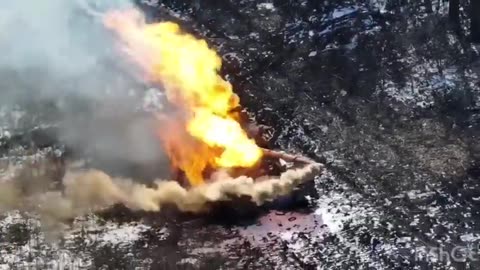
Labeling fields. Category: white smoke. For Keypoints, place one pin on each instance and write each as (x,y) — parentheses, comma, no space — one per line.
(54,35)
(57,55)
(95,190)
(56,48)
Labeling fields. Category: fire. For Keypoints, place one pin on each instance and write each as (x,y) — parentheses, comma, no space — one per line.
(207,134)
(226,133)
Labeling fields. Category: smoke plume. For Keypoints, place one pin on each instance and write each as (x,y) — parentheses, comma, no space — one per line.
(95,190)
(60,65)
(58,53)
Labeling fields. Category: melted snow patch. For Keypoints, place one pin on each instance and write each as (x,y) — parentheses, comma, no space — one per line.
(280,225)
(337,13)
(266,6)
(380,5)
(48,254)
(121,235)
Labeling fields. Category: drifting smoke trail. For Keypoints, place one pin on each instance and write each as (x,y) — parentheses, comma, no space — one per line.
(98,187)
(95,190)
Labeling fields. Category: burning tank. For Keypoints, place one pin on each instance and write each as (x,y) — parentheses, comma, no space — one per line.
(206,131)
(217,155)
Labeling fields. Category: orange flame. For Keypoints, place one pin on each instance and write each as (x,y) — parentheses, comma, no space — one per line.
(207,135)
